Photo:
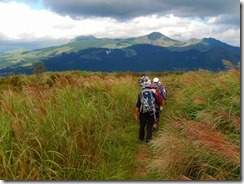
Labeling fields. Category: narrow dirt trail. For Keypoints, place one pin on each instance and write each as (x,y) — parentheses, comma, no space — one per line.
(143,158)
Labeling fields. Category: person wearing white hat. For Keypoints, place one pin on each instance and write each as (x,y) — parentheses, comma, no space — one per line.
(160,91)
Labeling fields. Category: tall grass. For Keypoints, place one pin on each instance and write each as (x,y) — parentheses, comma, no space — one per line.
(79,126)
(200,139)
(75,130)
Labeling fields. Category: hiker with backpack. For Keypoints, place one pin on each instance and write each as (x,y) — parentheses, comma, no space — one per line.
(156,90)
(142,79)
(145,107)
(161,88)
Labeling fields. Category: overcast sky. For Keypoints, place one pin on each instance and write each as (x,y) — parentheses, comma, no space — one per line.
(41,23)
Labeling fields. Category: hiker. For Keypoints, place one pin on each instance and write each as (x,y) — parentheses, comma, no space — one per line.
(156,90)
(161,87)
(143,79)
(146,109)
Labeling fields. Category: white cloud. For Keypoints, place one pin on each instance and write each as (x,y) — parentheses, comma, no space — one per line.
(20,22)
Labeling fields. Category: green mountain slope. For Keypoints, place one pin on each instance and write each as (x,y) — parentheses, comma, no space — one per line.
(22,58)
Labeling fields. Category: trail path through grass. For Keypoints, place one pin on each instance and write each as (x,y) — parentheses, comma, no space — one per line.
(143,158)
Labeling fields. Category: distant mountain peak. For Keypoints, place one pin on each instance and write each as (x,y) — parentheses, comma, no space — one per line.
(213,41)
(209,40)
(155,36)
(89,37)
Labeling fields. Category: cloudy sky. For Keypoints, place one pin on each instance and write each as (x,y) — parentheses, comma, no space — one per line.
(41,23)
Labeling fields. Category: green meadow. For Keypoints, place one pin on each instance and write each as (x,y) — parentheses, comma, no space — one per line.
(79,125)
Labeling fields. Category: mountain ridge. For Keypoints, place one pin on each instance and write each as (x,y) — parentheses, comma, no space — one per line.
(154,42)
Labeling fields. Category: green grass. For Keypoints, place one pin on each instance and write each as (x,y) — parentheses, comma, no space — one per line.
(200,139)
(79,126)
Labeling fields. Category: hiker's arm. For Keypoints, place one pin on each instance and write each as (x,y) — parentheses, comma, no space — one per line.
(136,113)
(138,104)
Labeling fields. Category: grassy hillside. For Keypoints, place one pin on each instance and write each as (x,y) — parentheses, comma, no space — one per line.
(79,126)
(86,50)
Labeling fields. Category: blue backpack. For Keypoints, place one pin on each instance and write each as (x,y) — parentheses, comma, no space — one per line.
(147,102)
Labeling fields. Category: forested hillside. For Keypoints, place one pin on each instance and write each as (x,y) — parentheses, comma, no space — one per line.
(79,126)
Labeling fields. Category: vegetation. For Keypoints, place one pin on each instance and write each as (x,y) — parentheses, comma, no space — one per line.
(131,54)
(200,138)
(79,126)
